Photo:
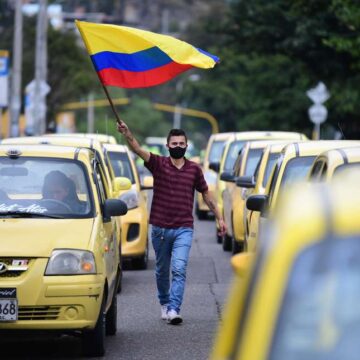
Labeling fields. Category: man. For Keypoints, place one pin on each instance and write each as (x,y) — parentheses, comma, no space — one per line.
(175,179)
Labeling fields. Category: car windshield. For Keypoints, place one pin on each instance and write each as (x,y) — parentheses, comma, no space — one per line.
(269,166)
(232,154)
(121,165)
(320,316)
(43,186)
(253,158)
(216,150)
(296,170)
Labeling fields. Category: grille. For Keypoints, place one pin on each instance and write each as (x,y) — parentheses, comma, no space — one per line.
(12,273)
(38,312)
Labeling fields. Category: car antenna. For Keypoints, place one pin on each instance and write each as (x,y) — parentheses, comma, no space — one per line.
(343,135)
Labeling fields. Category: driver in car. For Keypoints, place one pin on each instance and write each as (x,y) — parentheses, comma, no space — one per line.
(57,186)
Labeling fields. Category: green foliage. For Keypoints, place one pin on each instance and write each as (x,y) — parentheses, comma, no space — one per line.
(272,52)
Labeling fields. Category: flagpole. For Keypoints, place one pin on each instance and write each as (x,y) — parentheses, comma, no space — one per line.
(118,120)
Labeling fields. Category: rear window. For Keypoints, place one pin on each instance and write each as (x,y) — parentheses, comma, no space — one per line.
(121,165)
(216,150)
(320,316)
(253,158)
(232,154)
(296,170)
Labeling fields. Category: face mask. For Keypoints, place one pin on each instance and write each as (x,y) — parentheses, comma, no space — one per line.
(177,152)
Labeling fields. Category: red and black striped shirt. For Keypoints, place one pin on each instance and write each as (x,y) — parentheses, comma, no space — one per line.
(173,199)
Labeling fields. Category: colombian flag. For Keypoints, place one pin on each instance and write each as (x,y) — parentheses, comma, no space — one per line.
(132,58)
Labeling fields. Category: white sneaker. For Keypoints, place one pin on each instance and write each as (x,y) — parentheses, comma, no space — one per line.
(173,317)
(164,310)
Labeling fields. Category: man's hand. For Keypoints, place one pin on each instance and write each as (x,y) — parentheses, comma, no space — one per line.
(222,227)
(133,144)
(122,127)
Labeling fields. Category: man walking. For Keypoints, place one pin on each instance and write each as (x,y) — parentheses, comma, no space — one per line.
(175,179)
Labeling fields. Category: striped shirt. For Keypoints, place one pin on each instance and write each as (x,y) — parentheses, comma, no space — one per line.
(173,198)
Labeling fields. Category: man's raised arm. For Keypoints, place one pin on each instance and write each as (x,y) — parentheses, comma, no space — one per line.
(132,142)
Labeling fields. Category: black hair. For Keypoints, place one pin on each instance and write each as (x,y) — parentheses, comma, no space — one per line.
(176,132)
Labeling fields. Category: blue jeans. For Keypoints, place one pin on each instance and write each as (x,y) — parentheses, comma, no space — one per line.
(172,247)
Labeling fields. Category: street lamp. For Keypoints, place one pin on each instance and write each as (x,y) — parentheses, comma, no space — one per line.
(178,106)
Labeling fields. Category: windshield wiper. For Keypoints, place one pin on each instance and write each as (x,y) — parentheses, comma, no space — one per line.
(24,214)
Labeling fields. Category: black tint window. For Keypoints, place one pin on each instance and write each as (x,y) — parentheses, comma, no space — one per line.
(121,165)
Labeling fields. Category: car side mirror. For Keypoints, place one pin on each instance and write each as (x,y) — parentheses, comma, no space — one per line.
(257,203)
(245,182)
(114,207)
(214,166)
(227,176)
(121,184)
(147,183)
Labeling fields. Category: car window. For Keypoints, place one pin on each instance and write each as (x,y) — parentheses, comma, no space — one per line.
(347,167)
(296,170)
(252,160)
(44,186)
(232,154)
(121,165)
(269,166)
(319,317)
(216,151)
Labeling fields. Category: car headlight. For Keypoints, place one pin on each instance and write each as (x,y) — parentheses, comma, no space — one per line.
(210,177)
(71,262)
(131,199)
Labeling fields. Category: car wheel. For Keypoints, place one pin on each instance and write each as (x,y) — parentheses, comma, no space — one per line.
(201,215)
(237,246)
(142,262)
(227,243)
(93,341)
(111,317)
(219,237)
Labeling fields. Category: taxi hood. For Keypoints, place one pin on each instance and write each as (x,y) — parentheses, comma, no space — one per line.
(38,237)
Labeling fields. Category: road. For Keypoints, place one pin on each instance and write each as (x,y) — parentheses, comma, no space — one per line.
(141,333)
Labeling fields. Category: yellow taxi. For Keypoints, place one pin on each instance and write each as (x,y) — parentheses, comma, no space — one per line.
(334,162)
(234,197)
(232,148)
(268,160)
(213,152)
(134,225)
(59,263)
(114,185)
(298,298)
(292,166)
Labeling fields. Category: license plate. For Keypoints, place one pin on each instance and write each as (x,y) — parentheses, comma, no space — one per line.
(8,304)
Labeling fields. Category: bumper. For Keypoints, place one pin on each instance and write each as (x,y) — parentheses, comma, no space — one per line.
(134,229)
(54,302)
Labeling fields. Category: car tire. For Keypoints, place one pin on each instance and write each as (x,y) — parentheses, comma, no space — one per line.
(93,341)
(142,262)
(218,237)
(111,317)
(227,243)
(237,246)
(201,214)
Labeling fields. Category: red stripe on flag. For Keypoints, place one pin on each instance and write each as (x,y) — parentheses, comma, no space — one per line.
(140,79)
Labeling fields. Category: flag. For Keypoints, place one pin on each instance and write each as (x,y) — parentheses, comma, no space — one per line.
(133,58)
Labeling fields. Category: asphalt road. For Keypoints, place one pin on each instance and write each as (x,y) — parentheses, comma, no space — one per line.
(141,333)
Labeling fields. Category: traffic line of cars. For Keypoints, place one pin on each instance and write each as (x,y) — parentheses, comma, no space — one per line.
(72,209)
(292,209)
